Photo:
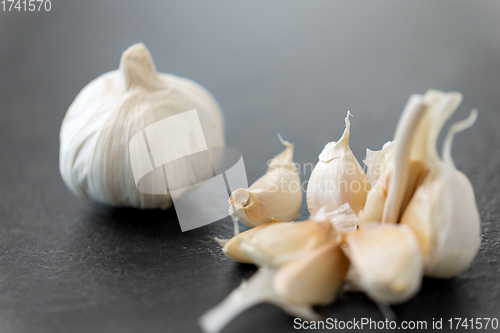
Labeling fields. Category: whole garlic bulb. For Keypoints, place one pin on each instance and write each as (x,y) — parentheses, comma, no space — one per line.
(94,154)
(337,178)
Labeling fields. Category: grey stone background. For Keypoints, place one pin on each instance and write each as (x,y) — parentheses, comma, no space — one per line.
(293,67)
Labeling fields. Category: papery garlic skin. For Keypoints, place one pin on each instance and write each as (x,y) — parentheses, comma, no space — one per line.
(275,195)
(94,154)
(379,162)
(343,219)
(386,261)
(337,178)
(444,215)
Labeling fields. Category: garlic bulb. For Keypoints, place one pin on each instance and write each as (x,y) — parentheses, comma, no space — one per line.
(337,178)
(314,278)
(386,261)
(443,212)
(277,194)
(94,155)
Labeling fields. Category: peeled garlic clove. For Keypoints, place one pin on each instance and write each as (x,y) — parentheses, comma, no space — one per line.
(277,194)
(444,215)
(314,278)
(337,178)
(276,243)
(94,157)
(386,261)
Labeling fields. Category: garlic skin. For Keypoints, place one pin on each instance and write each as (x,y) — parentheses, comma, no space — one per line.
(314,278)
(275,195)
(443,211)
(343,219)
(337,178)
(379,162)
(386,261)
(94,156)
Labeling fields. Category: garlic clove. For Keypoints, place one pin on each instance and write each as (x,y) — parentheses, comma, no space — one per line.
(337,178)
(444,215)
(314,278)
(258,289)
(232,247)
(278,242)
(375,201)
(412,115)
(277,194)
(386,262)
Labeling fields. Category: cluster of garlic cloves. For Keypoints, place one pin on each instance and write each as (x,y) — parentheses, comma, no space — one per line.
(418,218)
(444,215)
(427,193)
(301,264)
(275,195)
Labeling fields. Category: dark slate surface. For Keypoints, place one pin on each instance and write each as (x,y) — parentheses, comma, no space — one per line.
(290,66)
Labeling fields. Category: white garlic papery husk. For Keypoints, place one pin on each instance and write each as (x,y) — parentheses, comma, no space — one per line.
(276,195)
(386,262)
(379,162)
(443,212)
(94,155)
(343,219)
(337,178)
